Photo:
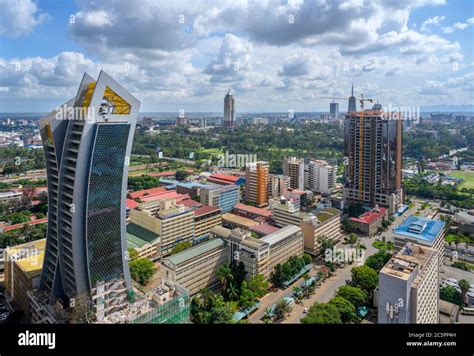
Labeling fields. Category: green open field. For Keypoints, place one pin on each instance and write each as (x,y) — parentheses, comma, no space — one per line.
(466,176)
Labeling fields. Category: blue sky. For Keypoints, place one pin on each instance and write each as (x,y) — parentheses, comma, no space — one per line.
(276,55)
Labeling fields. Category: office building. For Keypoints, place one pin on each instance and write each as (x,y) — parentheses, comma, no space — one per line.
(205,218)
(408,288)
(197,267)
(225,197)
(422,231)
(373,147)
(23,264)
(287,212)
(256,183)
(172,221)
(321,176)
(87,144)
(326,222)
(293,167)
(369,222)
(229,110)
(260,256)
(334,110)
(278,185)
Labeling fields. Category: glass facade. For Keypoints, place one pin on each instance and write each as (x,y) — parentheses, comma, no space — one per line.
(104,240)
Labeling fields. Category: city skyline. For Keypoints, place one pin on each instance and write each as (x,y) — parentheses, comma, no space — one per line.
(186,55)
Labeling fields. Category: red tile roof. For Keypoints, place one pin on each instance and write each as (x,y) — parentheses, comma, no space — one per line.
(169,194)
(162,174)
(18,226)
(264,229)
(191,203)
(253,210)
(370,216)
(206,209)
(146,192)
(131,204)
(225,177)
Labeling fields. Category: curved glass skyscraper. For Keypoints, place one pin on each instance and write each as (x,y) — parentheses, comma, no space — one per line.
(87,144)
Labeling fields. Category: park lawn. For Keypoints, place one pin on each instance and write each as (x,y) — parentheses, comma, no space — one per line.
(466,176)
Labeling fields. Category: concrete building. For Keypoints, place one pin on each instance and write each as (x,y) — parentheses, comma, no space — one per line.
(225,197)
(326,222)
(229,110)
(145,242)
(196,268)
(321,176)
(408,289)
(6,197)
(252,212)
(173,222)
(369,222)
(23,264)
(293,167)
(233,221)
(256,183)
(373,147)
(278,185)
(352,106)
(205,218)
(287,213)
(422,231)
(465,223)
(260,256)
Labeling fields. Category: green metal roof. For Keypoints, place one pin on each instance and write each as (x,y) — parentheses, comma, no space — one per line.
(138,236)
(195,251)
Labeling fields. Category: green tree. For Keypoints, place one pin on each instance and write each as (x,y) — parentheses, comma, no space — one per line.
(346,309)
(307,258)
(281,309)
(259,285)
(141,270)
(355,295)
(322,313)
(450,294)
(365,277)
(132,254)
(377,260)
(181,246)
(181,175)
(232,292)
(247,297)
(225,276)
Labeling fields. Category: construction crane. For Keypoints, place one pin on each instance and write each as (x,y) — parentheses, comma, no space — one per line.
(361,101)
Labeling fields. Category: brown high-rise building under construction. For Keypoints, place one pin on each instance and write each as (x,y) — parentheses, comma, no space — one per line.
(373,150)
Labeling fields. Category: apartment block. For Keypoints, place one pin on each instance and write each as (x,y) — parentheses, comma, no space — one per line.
(373,149)
(408,289)
(256,183)
(321,176)
(278,185)
(293,167)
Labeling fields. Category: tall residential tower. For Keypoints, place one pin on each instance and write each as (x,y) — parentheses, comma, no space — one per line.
(373,151)
(87,144)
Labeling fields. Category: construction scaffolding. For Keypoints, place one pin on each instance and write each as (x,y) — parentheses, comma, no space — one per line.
(174,311)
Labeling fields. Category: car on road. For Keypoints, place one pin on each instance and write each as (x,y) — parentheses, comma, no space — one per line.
(305,310)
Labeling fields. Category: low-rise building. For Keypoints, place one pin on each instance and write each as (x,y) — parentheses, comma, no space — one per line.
(465,223)
(197,267)
(205,218)
(369,222)
(422,231)
(326,222)
(145,242)
(287,213)
(233,221)
(251,212)
(23,264)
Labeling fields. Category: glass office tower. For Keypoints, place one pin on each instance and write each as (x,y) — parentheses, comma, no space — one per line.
(87,144)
